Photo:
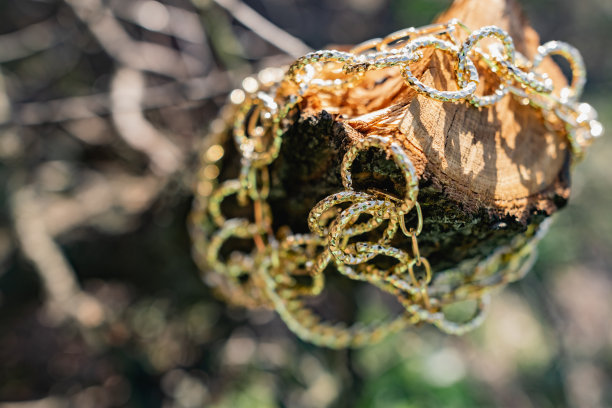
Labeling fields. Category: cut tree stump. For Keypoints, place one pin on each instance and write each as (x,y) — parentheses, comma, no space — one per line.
(485,173)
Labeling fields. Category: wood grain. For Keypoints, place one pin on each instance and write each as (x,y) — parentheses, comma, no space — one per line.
(501,158)
(485,174)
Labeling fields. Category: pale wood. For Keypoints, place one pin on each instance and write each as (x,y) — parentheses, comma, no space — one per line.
(485,174)
(500,158)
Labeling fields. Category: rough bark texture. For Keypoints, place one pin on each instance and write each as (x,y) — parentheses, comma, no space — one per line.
(485,173)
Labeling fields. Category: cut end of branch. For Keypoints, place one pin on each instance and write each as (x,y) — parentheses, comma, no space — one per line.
(501,158)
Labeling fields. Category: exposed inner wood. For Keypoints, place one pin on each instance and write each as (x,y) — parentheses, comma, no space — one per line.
(485,173)
(501,157)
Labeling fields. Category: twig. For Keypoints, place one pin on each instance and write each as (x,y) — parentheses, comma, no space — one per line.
(264,28)
(29,40)
(123,194)
(49,402)
(135,12)
(138,55)
(184,25)
(65,297)
(127,90)
(5,104)
(83,107)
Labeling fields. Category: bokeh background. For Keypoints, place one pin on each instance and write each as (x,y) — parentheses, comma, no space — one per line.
(102,105)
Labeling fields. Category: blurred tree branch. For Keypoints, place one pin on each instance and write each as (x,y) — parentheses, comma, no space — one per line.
(264,28)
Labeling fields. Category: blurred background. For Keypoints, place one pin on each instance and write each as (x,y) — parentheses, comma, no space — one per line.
(102,104)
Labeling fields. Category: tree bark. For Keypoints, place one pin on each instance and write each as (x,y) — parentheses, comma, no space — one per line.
(485,173)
